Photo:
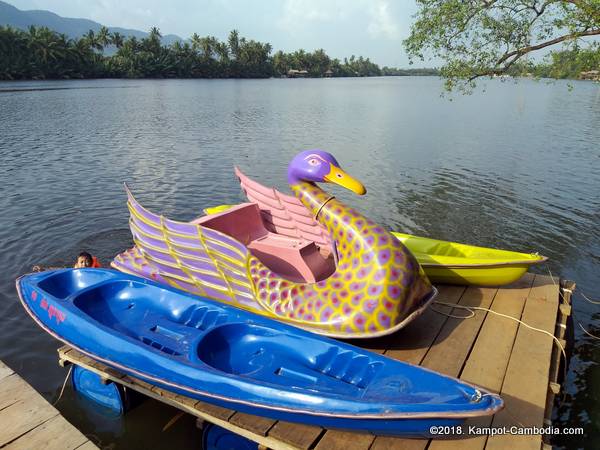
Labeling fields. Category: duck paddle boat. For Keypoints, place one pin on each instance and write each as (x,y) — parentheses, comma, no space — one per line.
(233,358)
(443,261)
(376,287)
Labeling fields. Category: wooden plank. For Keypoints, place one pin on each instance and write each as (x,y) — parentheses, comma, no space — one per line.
(526,382)
(445,344)
(300,435)
(14,389)
(449,351)
(488,360)
(28,421)
(394,443)
(256,424)
(412,343)
(65,349)
(189,406)
(89,445)
(409,344)
(54,434)
(21,417)
(452,345)
(344,440)
(5,370)
(214,410)
(416,335)
(133,383)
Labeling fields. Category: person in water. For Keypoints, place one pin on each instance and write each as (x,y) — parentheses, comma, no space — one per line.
(84,259)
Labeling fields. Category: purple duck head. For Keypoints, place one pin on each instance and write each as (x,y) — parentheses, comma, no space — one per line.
(320,166)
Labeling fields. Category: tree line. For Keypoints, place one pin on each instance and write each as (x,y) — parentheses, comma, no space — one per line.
(568,63)
(40,53)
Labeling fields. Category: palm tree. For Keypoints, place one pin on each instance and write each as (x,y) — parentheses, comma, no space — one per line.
(154,31)
(196,40)
(117,39)
(103,37)
(152,42)
(222,50)
(234,43)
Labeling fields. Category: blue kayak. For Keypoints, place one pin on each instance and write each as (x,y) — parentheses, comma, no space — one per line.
(236,359)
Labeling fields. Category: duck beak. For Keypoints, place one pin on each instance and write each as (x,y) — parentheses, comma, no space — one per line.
(338,176)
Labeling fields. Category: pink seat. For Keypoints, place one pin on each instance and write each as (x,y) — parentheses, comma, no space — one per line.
(294,258)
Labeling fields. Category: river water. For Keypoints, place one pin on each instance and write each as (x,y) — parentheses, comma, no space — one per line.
(515,167)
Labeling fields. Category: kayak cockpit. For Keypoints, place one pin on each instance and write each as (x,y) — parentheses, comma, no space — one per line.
(277,358)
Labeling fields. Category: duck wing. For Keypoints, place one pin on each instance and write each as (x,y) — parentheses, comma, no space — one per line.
(284,214)
(187,255)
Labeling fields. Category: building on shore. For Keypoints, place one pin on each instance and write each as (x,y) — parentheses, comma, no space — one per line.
(328,73)
(293,73)
(593,75)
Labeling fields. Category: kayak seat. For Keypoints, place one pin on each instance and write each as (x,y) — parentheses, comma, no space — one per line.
(122,305)
(257,352)
(66,282)
(296,259)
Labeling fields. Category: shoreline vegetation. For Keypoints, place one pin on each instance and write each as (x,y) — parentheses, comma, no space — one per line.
(40,53)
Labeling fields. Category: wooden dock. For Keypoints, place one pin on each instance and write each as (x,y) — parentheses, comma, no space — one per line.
(27,421)
(489,350)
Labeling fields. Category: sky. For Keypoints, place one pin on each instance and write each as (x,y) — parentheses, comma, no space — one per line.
(371,28)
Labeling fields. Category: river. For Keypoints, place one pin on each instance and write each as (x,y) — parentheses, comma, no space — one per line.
(515,167)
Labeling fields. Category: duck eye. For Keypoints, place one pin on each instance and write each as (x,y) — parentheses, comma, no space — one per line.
(314,162)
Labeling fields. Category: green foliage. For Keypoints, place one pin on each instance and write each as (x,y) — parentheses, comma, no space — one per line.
(318,63)
(40,53)
(478,38)
(393,72)
(567,63)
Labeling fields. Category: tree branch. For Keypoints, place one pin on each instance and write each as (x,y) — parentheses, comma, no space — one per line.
(524,50)
(517,54)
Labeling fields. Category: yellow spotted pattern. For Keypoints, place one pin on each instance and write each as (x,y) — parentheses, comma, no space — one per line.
(377,285)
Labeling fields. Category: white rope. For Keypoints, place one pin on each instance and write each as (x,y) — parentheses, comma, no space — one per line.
(554,282)
(62,390)
(570,291)
(593,302)
(479,308)
(587,332)
(470,314)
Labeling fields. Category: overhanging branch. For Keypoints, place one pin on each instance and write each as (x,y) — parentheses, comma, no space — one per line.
(510,58)
(522,51)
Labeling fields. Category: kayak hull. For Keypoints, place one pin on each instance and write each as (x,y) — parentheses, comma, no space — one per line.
(454,263)
(232,358)
(483,275)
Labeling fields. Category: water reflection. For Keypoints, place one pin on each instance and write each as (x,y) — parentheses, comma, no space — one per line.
(518,168)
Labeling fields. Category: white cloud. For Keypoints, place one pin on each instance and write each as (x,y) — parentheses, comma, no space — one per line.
(375,16)
(382,23)
(297,13)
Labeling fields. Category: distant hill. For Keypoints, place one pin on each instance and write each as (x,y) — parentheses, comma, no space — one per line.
(74,28)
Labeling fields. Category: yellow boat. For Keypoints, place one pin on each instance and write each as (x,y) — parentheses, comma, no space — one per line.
(454,263)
